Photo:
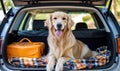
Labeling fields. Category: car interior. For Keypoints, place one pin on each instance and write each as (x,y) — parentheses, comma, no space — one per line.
(88,28)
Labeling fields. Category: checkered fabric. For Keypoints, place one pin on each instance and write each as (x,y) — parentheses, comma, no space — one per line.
(28,62)
(99,60)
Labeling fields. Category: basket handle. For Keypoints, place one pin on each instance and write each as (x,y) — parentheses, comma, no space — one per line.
(25,39)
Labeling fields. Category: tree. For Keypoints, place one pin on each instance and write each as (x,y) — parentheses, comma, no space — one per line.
(116,9)
(8,4)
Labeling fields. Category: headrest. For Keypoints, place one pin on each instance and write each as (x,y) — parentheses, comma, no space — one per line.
(81,25)
(38,25)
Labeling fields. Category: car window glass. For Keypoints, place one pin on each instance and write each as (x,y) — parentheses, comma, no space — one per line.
(25,24)
(35,20)
(83,18)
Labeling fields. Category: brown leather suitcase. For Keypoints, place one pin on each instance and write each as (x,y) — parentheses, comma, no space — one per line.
(25,49)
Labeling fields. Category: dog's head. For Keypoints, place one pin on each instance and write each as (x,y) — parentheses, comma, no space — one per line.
(58,23)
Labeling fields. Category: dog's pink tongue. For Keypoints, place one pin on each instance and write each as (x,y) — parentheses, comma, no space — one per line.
(58,33)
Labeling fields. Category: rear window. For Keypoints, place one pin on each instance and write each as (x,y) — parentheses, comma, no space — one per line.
(87,20)
(78,18)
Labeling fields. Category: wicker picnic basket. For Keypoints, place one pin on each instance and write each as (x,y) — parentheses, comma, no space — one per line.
(25,49)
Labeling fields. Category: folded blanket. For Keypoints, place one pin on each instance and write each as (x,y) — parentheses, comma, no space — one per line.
(99,60)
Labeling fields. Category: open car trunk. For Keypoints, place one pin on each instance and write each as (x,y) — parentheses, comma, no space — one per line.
(93,38)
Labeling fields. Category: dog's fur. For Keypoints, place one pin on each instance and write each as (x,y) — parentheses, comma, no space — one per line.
(62,43)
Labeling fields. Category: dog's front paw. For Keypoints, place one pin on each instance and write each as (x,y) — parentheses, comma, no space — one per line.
(51,63)
(59,66)
(50,67)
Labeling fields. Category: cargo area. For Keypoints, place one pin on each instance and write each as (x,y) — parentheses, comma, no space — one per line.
(88,28)
(93,38)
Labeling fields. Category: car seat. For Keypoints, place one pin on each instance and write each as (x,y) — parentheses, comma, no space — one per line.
(38,25)
(81,25)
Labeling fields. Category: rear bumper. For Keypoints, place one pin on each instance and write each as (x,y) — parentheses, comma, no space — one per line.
(116,64)
(114,67)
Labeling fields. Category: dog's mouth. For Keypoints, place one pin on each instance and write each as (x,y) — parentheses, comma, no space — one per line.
(59,32)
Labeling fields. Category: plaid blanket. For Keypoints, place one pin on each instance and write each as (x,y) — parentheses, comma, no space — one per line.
(99,60)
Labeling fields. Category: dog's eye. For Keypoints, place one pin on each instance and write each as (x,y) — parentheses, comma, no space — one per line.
(54,18)
(64,18)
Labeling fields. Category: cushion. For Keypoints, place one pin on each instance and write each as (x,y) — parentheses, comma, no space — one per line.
(73,64)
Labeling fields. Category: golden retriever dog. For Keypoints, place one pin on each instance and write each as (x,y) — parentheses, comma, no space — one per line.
(62,43)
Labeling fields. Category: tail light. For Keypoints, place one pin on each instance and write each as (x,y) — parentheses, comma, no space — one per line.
(118,44)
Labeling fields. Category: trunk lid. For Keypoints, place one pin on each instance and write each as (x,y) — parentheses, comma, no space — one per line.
(90,2)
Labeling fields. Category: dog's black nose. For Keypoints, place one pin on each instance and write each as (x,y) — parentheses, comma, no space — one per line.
(59,25)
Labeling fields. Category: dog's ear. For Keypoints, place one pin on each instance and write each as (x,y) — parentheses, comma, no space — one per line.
(70,22)
(48,21)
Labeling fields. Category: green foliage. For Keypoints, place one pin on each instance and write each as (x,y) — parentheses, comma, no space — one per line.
(118,13)
(8,4)
(41,16)
(86,18)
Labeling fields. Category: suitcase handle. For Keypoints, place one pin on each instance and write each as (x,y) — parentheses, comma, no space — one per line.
(25,39)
